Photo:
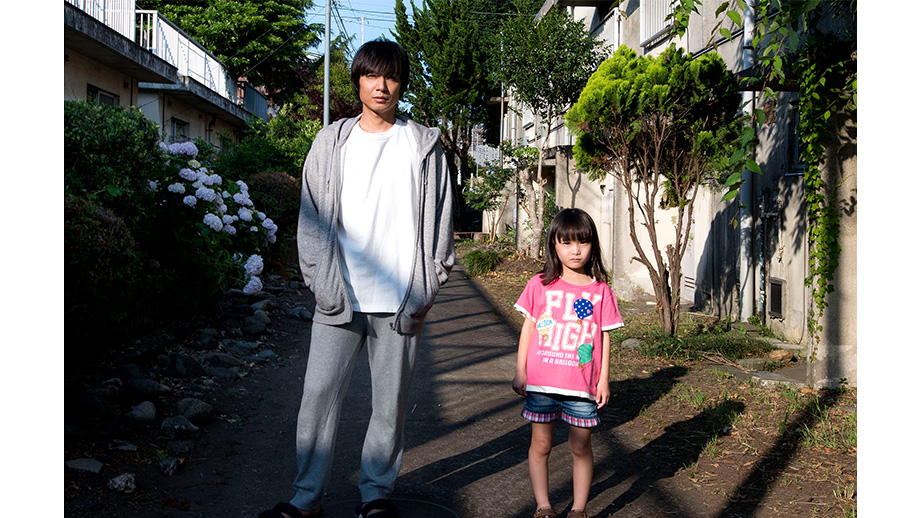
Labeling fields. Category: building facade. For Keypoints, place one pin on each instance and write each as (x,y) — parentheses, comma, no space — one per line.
(757,270)
(115,54)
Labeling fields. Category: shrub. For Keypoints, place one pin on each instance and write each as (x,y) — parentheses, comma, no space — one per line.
(111,158)
(279,194)
(480,261)
(150,231)
(103,273)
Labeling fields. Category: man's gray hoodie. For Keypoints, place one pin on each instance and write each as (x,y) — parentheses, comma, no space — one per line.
(317,243)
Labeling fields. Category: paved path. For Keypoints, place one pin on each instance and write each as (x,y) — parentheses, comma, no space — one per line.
(466,444)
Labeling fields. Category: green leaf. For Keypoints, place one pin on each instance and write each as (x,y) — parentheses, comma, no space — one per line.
(752,166)
(735,17)
(733,179)
(113,190)
(727,34)
(730,195)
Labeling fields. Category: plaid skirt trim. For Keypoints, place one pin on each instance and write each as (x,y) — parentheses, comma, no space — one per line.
(548,418)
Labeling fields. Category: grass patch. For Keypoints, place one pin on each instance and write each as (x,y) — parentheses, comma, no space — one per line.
(480,261)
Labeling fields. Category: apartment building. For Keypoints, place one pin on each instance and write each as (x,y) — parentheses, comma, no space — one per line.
(756,270)
(118,55)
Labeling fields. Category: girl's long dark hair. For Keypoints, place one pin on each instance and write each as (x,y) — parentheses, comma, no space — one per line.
(572,225)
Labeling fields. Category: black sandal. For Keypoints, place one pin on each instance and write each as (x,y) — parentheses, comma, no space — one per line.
(287,509)
(385,509)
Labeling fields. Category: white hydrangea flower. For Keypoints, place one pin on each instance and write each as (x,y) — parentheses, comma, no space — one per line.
(215,178)
(253,286)
(177,188)
(225,195)
(245,214)
(206,194)
(213,221)
(194,163)
(254,265)
(188,174)
(190,200)
(230,229)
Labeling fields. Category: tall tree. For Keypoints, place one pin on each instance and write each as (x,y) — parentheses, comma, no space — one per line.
(663,127)
(342,99)
(265,41)
(449,83)
(545,64)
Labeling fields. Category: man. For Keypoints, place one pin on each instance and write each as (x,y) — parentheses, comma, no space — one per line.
(375,239)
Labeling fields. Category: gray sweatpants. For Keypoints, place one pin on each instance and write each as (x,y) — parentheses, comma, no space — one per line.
(331,361)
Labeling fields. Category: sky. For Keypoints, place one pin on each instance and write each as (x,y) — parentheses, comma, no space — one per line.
(365,20)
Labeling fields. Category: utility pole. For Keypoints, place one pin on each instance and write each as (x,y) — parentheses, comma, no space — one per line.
(326,66)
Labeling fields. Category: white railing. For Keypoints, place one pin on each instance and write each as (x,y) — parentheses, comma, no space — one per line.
(161,37)
(116,14)
(653,14)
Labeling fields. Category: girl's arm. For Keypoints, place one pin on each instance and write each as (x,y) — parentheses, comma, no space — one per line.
(520,375)
(603,384)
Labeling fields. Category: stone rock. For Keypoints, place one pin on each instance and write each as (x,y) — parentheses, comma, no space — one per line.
(145,412)
(262,316)
(224,373)
(177,425)
(147,387)
(183,366)
(209,331)
(204,343)
(91,465)
(122,445)
(254,327)
(266,355)
(631,343)
(169,466)
(781,355)
(177,448)
(753,364)
(251,346)
(222,360)
(131,370)
(107,389)
(95,405)
(302,313)
(263,305)
(123,483)
(194,410)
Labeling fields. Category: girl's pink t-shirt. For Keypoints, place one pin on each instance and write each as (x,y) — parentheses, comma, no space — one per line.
(564,356)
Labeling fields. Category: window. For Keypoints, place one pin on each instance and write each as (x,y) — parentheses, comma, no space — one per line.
(101,96)
(180,131)
(796,166)
(775,297)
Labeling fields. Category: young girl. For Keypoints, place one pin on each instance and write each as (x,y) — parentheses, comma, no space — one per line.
(564,352)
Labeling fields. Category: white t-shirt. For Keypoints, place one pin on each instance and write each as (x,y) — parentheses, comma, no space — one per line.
(377,217)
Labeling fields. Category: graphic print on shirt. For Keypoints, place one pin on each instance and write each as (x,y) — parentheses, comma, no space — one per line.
(568,340)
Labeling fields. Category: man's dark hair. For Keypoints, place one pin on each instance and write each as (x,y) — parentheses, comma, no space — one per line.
(384,58)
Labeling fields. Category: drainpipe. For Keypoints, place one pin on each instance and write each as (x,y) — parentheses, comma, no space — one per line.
(746,268)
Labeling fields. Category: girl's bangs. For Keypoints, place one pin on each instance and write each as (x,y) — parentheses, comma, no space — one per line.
(577,230)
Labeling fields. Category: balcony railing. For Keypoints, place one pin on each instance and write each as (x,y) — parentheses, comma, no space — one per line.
(161,37)
(653,14)
(116,14)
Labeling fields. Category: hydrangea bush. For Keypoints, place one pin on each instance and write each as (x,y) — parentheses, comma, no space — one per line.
(216,217)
